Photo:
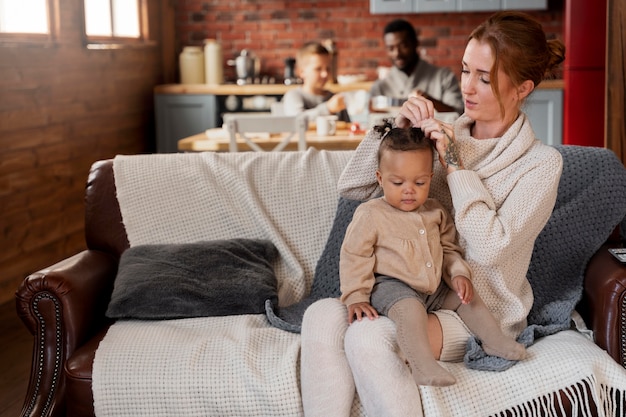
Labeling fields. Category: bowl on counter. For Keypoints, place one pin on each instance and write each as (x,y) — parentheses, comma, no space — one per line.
(344,79)
(384,104)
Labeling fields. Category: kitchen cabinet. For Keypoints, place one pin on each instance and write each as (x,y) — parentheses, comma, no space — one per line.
(478,5)
(524,5)
(433,6)
(391,6)
(425,6)
(182,115)
(584,72)
(544,108)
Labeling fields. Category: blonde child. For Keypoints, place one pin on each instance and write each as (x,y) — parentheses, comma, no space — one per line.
(399,247)
(313,67)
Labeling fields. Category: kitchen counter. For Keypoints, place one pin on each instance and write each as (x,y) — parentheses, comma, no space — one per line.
(218,140)
(259,89)
(248,89)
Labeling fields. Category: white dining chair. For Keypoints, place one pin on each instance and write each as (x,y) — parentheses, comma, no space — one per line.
(244,125)
(277,108)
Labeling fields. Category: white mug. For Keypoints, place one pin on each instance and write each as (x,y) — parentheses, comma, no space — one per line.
(326,125)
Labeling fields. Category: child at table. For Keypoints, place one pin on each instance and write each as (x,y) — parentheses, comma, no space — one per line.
(396,251)
(311,98)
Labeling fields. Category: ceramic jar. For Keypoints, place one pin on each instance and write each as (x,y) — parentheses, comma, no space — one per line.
(191,63)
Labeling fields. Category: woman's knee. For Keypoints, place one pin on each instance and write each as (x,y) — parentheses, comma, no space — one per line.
(371,335)
(454,334)
(325,321)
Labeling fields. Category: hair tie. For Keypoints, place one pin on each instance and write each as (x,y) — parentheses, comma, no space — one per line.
(387,130)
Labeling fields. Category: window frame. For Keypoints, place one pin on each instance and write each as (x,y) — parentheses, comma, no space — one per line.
(51,39)
(119,42)
(35,39)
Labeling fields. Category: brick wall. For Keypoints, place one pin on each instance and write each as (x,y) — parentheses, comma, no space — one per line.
(274,30)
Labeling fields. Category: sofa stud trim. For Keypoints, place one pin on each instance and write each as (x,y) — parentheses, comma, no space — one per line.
(623,331)
(39,354)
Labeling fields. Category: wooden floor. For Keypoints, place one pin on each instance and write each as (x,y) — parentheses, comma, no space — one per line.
(16,345)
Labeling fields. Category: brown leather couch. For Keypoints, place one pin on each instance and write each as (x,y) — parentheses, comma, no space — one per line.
(63,306)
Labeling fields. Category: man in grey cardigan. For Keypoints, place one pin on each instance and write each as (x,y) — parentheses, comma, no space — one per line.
(411,74)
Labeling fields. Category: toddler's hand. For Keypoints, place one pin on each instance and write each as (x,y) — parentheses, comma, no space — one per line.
(463,288)
(360,310)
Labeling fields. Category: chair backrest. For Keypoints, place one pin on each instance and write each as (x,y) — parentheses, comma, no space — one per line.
(242,125)
(277,108)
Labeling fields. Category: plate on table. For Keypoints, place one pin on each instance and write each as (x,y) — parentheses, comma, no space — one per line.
(383,104)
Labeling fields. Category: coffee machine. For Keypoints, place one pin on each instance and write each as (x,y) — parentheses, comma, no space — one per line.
(247,67)
(290,71)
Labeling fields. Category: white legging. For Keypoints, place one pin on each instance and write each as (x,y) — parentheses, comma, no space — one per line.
(369,364)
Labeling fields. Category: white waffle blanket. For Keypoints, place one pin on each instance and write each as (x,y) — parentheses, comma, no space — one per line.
(566,361)
(240,365)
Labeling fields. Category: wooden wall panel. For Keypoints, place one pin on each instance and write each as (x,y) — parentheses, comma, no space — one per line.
(616,79)
(62,108)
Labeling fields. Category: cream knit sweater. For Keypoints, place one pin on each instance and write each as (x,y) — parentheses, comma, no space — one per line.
(500,203)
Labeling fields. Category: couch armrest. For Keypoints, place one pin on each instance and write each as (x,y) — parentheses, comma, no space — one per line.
(603,305)
(62,306)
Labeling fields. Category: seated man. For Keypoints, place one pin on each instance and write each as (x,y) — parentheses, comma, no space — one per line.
(411,74)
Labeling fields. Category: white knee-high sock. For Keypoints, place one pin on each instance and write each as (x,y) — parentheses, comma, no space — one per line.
(383,380)
(327,383)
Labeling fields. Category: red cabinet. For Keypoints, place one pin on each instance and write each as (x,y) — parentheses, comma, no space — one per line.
(584,72)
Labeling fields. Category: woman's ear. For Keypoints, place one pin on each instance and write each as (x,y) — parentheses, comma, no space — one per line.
(525,89)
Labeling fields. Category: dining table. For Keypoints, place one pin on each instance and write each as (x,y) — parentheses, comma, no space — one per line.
(217,140)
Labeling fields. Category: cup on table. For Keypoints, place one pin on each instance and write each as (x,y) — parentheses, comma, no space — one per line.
(326,125)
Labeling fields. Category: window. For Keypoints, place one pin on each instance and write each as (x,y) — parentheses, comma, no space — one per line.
(108,23)
(112,19)
(24,17)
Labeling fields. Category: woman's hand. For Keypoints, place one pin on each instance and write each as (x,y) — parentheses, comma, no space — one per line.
(360,310)
(415,110)
(443,136)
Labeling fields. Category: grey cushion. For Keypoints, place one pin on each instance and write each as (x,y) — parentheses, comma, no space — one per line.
(212,278)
